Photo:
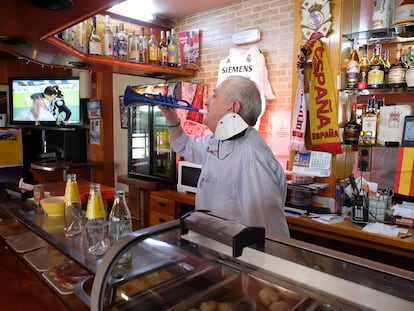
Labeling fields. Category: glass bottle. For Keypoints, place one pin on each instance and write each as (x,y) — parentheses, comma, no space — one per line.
(376,69)
(120,224)
(115,48)
(73,207)
(352,68)
(173,50)
(133,47)
(107,38)
(396,76)
(387,64)
(352,129)
(409,75)
(96,226)
(363,68)
(381,14)
(163,50)
(95,42)
(143,47)
(122,38)
(369,124)
(153,48)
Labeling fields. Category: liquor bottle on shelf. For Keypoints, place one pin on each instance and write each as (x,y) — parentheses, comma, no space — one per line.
(173,50)
(122,39)
(369,124)
(120,224)
(381,14)
(352,68)
(95,42)
(163,49)
(363,68)
(107,38)
(409,75)
(153,48)
(376,69)
(396,76)
(73,207)
(387,65)
(96,225)
(352,129)
(115,48)
(133,47)
(143,47)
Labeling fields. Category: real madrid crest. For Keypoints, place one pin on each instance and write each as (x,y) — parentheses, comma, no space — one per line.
(316,18)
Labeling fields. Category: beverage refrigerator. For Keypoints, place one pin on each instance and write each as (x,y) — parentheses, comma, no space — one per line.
(149,155)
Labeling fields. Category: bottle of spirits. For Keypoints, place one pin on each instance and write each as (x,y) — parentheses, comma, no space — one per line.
(96,226)
(122,38)
(352,68)
(409,75)
(173,50)
(352,129)
(95,42)
(133,47)
(163,50)
(115,48)
(107,38)
(396,76)
(153,48)
(73,207)
(143,47)
(376,69)
(120,224)
(387,64)
(363,68)
(381,14)
(369,124)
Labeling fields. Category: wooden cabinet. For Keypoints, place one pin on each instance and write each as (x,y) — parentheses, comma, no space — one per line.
(161,209)
(166,205)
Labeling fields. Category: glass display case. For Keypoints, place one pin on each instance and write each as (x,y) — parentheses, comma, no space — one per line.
(150,154)
(204,262)
(201,261)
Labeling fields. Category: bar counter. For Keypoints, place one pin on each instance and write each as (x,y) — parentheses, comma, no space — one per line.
(350,238)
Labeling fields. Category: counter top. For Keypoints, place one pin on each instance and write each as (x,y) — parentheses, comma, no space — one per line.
(351,233)
(62,165)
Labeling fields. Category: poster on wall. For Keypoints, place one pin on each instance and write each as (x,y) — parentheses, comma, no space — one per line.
(11,147)
(189,42)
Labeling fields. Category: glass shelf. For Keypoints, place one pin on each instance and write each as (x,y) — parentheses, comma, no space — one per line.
(397,33)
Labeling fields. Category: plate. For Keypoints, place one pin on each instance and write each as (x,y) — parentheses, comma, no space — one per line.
(65,275)
(44,258)
(25,242)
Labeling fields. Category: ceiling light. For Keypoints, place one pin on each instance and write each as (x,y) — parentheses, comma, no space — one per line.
(134,9)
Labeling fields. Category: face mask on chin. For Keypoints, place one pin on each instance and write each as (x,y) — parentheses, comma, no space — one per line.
(230,125)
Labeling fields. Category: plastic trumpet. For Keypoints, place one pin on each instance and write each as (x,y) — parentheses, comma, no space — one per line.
(132,97)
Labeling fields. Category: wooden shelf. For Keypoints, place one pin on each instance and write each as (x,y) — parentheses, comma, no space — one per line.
(101,63)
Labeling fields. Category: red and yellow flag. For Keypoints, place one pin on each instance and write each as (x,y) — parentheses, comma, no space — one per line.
(404,175)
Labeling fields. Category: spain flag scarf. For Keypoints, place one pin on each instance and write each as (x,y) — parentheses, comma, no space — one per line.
(404,175)
(323,112)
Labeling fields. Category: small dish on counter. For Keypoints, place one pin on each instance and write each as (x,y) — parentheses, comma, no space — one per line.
(53,206)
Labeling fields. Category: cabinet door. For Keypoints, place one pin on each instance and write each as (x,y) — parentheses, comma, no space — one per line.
(162,205)
(159,218)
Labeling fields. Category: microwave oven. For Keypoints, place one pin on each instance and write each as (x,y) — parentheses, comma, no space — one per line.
(188,174)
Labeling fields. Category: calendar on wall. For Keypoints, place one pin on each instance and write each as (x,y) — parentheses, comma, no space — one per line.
(313,163)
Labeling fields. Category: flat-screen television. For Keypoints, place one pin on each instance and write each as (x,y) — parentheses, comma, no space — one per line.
(43,100)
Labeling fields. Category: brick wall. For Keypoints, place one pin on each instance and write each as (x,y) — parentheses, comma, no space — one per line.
(276,22)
